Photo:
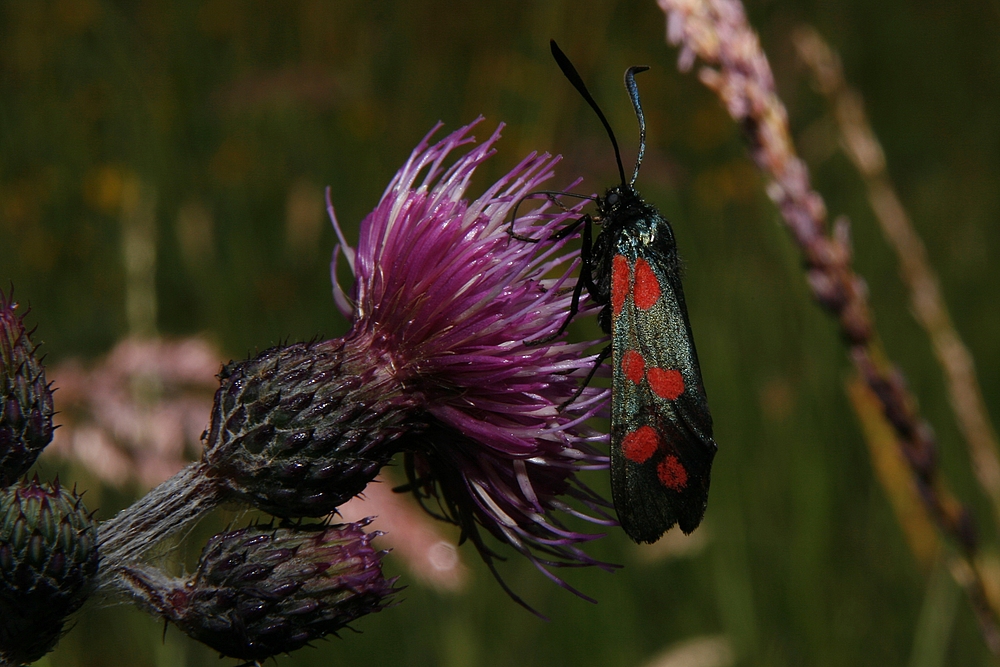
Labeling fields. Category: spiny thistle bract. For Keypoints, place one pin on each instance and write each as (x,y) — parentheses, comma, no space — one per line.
(25,397)
(262,591)
(48,564)
(299,430)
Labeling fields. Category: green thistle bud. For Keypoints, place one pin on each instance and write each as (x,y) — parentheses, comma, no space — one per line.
(25,397)
(48,565)
(299,430)
(262,591)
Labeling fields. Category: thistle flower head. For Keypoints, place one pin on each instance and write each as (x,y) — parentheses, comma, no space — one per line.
(25,398)
(261,591)
(450,302)
(48,564)
(300,429)
(439,364)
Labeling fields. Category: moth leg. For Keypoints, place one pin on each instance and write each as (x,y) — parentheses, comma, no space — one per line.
(604,354)
(587,258)
(585,279)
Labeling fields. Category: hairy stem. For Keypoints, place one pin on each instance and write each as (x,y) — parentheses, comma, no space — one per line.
(167,509)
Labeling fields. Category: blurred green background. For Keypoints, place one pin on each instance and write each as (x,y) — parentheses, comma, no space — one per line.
(227,119)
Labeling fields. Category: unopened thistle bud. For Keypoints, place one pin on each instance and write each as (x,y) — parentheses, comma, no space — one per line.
(48,564)
(25,397)
(261,591)
(299,430)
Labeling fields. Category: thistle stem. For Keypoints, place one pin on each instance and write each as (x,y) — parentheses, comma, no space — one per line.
(174,504)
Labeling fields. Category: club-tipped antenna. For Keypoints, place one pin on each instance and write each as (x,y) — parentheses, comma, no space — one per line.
(633,93)
(574,77)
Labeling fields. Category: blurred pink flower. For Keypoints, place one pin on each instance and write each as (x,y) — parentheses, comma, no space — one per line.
(431,557)
(139,413)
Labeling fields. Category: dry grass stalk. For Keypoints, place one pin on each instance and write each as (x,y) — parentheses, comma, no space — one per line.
(865,152)
(736,69)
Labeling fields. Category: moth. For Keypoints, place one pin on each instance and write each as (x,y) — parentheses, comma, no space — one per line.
(661,428)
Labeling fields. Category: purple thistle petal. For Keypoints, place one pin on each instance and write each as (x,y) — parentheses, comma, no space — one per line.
(448,298)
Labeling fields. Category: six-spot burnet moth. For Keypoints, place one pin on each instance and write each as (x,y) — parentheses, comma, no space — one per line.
(661,428)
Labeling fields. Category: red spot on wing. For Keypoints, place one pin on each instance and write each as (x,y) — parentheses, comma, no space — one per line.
(640,444)
(647,287)
(672,473)
(633,366)
(619,283)
(666,383)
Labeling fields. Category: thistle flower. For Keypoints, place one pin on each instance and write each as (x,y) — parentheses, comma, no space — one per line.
(439,364)
(261,591)
(48,565)
(25,397)
(450,303)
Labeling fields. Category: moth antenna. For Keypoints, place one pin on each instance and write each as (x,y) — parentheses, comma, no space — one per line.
(574,77)
(633,93)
